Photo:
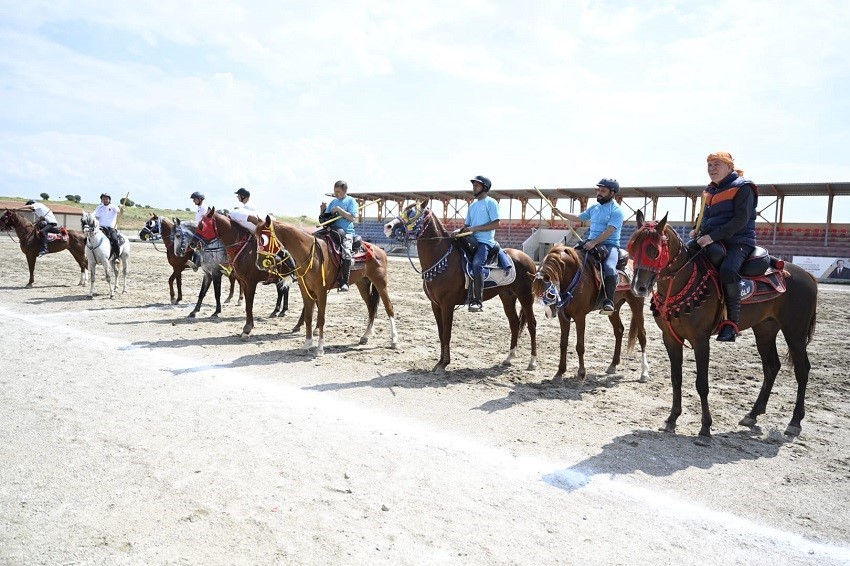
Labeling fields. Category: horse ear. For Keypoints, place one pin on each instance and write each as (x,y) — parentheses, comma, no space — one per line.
(639,218)
(423,203)
(176,221)
(210,212)
(268,221)
(661,224)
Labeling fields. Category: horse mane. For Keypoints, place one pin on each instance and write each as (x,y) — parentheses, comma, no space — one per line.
(556,260)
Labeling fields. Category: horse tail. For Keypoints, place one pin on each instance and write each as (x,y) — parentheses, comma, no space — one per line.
(810,333)
(374,297)
(522,320)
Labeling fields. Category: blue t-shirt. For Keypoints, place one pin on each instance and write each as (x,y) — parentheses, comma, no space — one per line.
(601,216)
(482,212)
(349,205)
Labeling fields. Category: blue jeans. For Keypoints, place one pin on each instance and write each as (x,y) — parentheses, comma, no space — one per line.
(480,258)
(609,266)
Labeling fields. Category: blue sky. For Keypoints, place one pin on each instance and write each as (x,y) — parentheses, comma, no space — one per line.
(159,99)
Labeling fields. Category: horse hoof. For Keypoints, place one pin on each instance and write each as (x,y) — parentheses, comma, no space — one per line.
(439,369)
(612,369)
(703,440)
(191,315)
(793,430)
(558,379)
(244,336)
(668,427)
(364,341)
(394,345)
(532,365)
(214,315)
(747,421)
(320,352)
(507,362)
(644,377)
(28,286)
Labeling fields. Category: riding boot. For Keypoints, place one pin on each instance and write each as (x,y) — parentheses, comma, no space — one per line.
(345,274)
(43,247)
(610,283)
(477,304)
(729,327)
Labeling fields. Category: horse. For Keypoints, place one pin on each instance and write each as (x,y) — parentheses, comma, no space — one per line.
(242,250)
(98,250)
(443,277)
(568,286)
(213,257)
(688,307)
(164,227)
(317,273)
(30,242)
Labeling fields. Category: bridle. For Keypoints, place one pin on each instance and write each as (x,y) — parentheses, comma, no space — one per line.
(410,227)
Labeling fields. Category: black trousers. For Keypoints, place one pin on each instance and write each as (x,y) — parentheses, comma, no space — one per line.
(730,268)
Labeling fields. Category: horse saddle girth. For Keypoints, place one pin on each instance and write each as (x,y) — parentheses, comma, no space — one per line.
(763,287)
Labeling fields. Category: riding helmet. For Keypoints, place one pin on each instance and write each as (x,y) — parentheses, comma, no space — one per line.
(483,180)
(243,193)
(610,184)
(107,195)
(198,195)
(29,202)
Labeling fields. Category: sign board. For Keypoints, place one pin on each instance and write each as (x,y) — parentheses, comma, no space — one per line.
(825,267)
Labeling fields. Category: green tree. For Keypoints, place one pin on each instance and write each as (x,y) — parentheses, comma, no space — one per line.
(69,198)
(77,198)
(45,196)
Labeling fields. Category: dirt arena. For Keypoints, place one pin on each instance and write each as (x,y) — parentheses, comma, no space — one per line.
(130,434)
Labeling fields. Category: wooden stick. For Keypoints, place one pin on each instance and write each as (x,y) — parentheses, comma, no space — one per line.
(331,221)
(549,202)
(701,211)
(121,210)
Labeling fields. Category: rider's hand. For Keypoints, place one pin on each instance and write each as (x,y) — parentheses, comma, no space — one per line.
(704,240)
(692,234)
(588,245)
(323,206)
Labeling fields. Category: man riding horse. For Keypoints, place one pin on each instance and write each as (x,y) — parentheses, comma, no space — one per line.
(345,209)
(606,222)
(44,221)
(107,216)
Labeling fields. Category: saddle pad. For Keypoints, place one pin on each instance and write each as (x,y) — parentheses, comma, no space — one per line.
(494,276)
(762,288)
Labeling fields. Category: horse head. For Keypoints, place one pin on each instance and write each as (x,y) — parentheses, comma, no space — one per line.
(269,248)
(649,247)
(556,279)
(410,224)
(8,220)
(152,228)
(183,234)
(89,225)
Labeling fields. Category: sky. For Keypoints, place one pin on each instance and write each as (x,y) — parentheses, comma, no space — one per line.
(158,99)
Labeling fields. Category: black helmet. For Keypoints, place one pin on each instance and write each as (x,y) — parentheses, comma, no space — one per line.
(196,194)
(243,193)
(105,195)
(483,180)
(610,184)
(29,202)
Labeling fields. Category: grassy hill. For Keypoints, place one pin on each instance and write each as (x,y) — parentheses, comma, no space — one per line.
(134,217)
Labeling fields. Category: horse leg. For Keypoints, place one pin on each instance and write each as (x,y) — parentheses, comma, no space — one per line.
(800,358)
(232,279)
(509,306)
(701,353)
(114,266)
(277,304)
(580,327)
(171,281)
(307,316)
(205,285)
(765,333)
(617,325)
(31,257)
(321,303)
(564,321)
(125,267)
(444,331)
(92,272)
(381,286)
(365,288)
(637,329)
(216,281)
(674,352)
(250,290)
(79,255)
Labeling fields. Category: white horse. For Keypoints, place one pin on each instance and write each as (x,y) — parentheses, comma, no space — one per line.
(98,249)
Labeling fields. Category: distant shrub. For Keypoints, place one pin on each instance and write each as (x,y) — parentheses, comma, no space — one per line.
(44,196)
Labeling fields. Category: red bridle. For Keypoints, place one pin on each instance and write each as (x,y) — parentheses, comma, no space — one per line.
(649,236)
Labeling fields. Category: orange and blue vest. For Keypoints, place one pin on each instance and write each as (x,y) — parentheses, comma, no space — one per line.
(720,209)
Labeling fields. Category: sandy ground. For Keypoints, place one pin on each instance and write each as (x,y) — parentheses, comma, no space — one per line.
(130,434)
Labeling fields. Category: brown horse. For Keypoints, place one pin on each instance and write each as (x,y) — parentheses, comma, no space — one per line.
(165,228)
(242,251)
(317,274)
(567,286)
(443,279)
(31,243)
(688,306)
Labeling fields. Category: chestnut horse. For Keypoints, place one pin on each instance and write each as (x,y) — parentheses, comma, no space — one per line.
(30,242)
(566,285)
(688,307)
(317,274)
(443,279)
(165,228)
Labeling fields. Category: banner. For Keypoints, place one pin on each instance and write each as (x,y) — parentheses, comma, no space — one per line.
(825,267)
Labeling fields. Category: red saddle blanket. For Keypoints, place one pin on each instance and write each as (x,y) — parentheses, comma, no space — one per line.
(763,288)
(62,234)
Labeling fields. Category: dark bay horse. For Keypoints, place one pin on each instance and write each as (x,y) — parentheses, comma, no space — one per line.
(317,274)
(568,288)
(164,227)
(443,280)
(242,251)
(30,243)
(688,307)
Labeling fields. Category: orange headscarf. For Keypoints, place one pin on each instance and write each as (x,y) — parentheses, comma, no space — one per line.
(726,158)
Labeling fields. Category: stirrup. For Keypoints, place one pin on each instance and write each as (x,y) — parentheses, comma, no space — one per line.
(42,252)
(475,306)
(343,288)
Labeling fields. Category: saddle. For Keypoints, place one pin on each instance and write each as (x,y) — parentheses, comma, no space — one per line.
(762,276)
(597,256)
(57,233)
(494,274)
(361,251)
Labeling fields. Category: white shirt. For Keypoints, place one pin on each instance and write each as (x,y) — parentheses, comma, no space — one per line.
(42,212)
(201,212)
(107,214)
(240,216)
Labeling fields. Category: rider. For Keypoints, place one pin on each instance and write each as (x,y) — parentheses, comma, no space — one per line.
(606,222)
(729,217)
(482,219)
(198,199)
(245,215)
(44,221)
(345,209)
(107,216)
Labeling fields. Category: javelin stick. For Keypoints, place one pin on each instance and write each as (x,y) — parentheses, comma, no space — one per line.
(332,220)
(121,210)
(549,202)
(701,211)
